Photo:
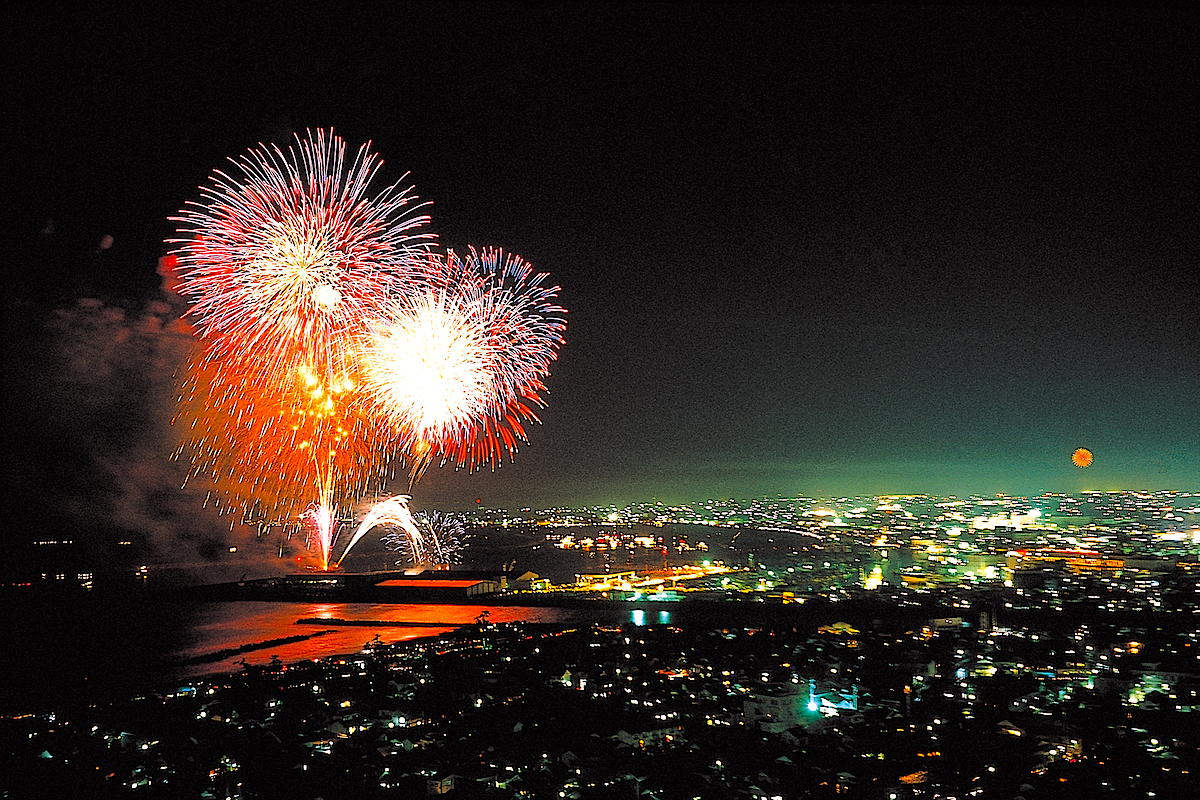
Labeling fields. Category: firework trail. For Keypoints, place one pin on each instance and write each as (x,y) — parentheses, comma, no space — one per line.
(392,512)
(458,368)
(423,538)
(320,522)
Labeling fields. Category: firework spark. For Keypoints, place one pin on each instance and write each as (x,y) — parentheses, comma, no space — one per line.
(274,448)
(320,522)
(393,513)
(421,538)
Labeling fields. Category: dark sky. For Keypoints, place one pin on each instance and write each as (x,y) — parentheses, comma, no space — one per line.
(805,251)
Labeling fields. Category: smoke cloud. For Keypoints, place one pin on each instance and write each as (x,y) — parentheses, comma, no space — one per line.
(89,395)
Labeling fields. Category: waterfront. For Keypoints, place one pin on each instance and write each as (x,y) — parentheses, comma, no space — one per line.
(225,626)
(787,669)
(95,649)
(733,691)
(92,649)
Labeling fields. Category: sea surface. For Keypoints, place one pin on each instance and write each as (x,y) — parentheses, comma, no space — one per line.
(92,648)
(220,627)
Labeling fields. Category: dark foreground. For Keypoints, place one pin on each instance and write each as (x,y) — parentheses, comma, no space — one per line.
(751,701)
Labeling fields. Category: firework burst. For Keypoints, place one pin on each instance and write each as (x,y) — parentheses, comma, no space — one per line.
(286,261)
(430,367)
(459,368)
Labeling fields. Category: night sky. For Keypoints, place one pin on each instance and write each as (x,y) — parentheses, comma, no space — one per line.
(805,251)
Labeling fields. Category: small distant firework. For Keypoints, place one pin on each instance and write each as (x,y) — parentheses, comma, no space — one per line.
(445,536)
(440,539)
(1082,458)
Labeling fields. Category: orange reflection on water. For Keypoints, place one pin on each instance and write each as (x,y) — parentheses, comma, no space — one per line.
(225,626)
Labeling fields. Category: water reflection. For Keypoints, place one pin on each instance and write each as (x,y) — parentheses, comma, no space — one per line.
(638,617)
(227,626)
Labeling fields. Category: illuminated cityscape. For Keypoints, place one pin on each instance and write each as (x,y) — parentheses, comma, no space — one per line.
(882,647)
